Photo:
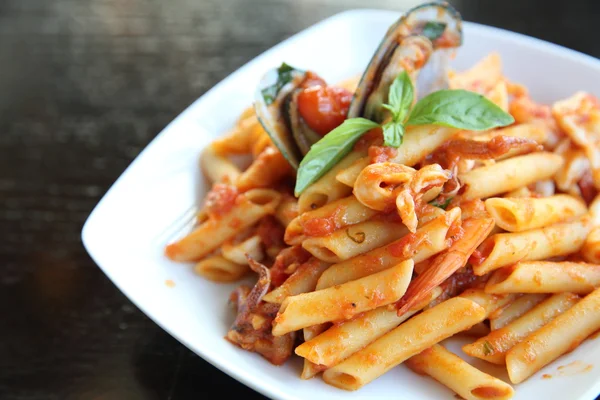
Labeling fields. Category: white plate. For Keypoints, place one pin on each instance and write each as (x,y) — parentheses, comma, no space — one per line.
(152,203)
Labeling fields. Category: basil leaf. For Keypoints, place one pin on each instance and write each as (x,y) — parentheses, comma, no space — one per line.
(324,154)
(433,30)
(285,74)
(400,96)
(393,134)
(458,109)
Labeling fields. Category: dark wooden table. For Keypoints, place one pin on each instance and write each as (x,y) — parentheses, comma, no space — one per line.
(84,86)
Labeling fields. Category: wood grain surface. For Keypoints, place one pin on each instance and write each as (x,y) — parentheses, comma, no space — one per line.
(85,85)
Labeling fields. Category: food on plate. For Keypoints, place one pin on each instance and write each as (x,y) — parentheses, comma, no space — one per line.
(386,214)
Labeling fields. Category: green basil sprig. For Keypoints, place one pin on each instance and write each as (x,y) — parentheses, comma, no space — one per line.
(285,74)
(452,108)
(328,151)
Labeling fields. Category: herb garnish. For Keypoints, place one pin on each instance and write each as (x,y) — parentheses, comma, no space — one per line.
(285,74)
(452,108)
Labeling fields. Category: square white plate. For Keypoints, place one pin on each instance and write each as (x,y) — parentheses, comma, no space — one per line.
(153,202)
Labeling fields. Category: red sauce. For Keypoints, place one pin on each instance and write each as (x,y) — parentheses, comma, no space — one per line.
(270,232)
(324,108)
(379,154)
(322,226)
(477,257)
(373,137)
(286,257)
(402,247)
(220,200)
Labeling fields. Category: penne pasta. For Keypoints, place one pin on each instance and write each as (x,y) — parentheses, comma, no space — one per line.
(509,174)
(220,269)
(515,309)
(327,188)
(248,209)
(411,337)
(343,301)
(324,220)
(354,240)
(342,340)
(303,280)
(287,210)
(239,140)
(493,347)
(505,249)
(521,214)
(559,336)
(458,375)
(481,77)
(265,171)
(490,302)
(531,131)
(427,241)
(545,277)
(591,248)
(218,168)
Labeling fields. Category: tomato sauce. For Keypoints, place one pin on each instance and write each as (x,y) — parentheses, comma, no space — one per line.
(220,200)
(379,154)
(270,232)
(373,137)
(322,226)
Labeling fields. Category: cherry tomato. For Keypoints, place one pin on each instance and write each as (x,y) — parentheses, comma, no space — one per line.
(323,108)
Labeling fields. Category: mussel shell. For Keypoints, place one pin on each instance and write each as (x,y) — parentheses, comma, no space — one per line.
(410,24)
(271,116)
(303,135)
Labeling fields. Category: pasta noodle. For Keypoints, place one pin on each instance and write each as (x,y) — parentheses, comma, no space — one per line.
(410,338)
(323,220)
(220,269)
(343,301)
(515,309)
(248,209)
(342,340)
(494,346)
(559,336)
(218,168)
(354,240)
(427,241)
(505,249)
(545,277)
(509,174)
(521,214)
(458,375)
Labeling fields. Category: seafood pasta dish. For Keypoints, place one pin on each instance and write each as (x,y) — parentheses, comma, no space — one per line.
(386,213)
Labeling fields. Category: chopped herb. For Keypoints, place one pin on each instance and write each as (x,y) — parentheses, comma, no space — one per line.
(433,30)
(358,237)
(285,74)
(488,349)
(443,205)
